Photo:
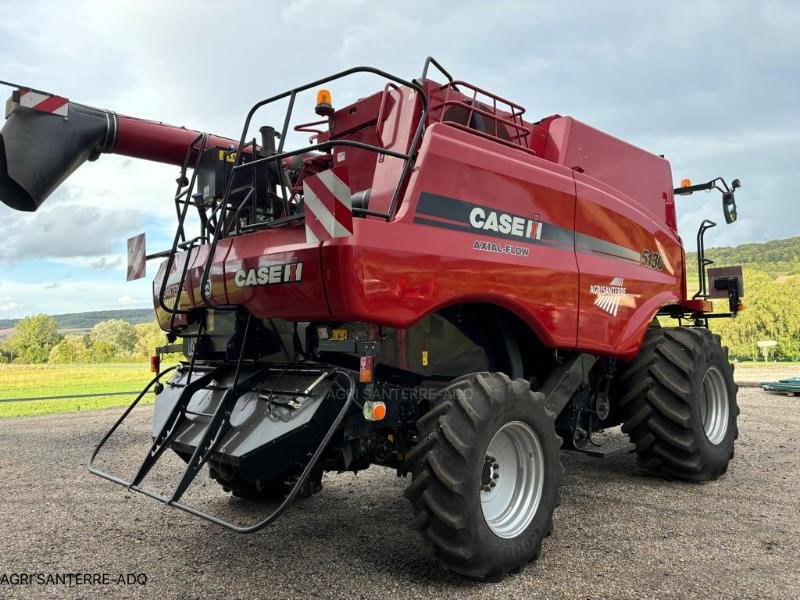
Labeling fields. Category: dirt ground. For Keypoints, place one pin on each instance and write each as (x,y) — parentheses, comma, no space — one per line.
(619,533)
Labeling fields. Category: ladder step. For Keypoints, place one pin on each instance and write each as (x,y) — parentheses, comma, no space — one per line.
(171,424)
(218,426)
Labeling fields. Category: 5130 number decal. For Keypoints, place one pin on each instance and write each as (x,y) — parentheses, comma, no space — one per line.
(652,259)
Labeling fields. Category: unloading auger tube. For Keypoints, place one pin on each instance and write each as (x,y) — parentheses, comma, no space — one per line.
(46,138)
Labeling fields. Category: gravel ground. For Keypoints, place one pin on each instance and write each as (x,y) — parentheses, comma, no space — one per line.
(619,533)
(753,374)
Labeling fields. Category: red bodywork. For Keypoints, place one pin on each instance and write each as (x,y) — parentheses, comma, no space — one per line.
(586,254)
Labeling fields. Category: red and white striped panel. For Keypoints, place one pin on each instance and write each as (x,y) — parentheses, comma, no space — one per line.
(328,209)
(47,103)
(137,257)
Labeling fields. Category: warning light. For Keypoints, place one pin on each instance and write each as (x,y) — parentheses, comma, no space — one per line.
(365,370)
(378,411)
(686,183)
(324,107)
(155,363)
(374,410)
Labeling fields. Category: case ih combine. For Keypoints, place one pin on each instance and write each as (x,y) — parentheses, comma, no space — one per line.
(433,284)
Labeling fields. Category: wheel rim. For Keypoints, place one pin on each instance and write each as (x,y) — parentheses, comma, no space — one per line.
(515,465)
(714,406)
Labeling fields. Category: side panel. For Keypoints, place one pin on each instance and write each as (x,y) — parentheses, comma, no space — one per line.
(637,173)
(275,273)
(480,223)
(630,266)
(190,297)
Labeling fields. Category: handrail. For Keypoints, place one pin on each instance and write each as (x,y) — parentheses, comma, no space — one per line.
(509,114)
(702,261)
(180,235)
(432,61)
(280,154)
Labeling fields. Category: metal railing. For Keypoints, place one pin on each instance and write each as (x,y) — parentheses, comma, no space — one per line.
(68,397)
(240,164)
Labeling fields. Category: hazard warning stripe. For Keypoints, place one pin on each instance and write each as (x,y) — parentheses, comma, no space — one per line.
(328,209)
(47,103)
(137,260)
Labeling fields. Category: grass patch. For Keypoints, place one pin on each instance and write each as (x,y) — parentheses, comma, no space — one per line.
(21,381)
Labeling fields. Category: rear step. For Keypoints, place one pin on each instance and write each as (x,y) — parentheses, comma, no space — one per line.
(216,428)
(607,444)
(170,427)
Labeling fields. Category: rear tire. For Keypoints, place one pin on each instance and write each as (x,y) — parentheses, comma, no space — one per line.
(678,399)
(486,473)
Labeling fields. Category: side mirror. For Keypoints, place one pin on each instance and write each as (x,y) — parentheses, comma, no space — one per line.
(718,183)
(729,204)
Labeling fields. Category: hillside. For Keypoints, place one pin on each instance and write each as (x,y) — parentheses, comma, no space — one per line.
(777,257)
(87,320)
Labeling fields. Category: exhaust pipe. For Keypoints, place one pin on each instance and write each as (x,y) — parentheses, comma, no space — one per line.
(46,138)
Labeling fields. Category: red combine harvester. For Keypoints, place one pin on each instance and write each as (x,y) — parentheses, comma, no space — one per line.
(433,284)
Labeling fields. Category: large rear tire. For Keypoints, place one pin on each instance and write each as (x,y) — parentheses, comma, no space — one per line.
(678,399)
(486,473)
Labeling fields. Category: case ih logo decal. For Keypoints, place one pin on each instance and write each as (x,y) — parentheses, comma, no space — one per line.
(457,215)
(449,213)
(610,297)
(269,274)
(505,223)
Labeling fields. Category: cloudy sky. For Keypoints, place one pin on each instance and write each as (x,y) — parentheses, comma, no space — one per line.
(713,85)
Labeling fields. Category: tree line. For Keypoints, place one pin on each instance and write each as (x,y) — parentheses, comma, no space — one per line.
(772,312)
(36,340)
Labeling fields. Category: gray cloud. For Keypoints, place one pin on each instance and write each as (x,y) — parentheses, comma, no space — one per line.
(106,264)
(714,85)
(65,231)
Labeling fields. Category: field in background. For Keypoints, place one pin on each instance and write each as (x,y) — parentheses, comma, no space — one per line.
(23,381)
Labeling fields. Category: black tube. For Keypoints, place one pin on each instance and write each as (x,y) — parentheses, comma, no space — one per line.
(38,151)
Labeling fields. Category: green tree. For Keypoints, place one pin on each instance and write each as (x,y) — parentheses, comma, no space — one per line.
(33,338)
(72,349)
(102,352)
(772,312)
(149,337)
(117,336)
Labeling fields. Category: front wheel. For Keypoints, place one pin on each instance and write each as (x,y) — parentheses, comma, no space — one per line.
(679,401)
(486,473)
